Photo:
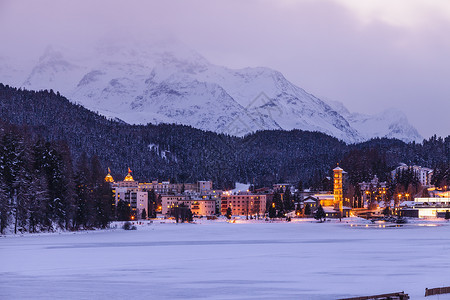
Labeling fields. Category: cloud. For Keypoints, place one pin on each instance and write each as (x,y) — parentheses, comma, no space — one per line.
(404,13)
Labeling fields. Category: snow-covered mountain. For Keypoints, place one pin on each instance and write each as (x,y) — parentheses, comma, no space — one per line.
(167,82)
(390,123)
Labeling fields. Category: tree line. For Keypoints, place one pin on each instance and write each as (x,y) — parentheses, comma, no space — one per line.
(40,190)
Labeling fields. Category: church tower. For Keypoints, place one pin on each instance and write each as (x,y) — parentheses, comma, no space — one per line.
(338,189)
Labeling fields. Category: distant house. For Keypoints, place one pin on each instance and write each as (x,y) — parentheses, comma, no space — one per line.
(312,202)
(330,212)
(422,173)
(282,187)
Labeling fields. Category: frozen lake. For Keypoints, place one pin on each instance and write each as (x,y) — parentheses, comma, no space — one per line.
(219,260)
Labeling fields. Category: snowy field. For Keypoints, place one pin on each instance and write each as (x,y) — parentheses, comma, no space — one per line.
(220,260)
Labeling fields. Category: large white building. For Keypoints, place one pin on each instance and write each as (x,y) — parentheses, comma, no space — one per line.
(199,197)
(128,190)
(427,207)
(198,205)
(422,173)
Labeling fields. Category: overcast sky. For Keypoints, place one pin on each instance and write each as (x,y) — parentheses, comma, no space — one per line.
(369,54)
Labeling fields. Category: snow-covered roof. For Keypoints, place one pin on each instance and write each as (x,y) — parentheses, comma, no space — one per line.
(240,187)
(407,203)
(324,196)
(329,209)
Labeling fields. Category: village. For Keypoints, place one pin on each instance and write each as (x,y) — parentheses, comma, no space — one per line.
(374,200)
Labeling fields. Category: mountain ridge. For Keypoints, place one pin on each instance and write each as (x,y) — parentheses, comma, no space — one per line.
(182,153)
(172,84)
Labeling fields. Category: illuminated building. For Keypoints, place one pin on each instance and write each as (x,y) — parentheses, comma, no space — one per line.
(425,207)
(129,177)
(374,189)
(423,174)
(199,196)
(332,203)
(108,177)
(166,187)
(138,202)
(326,199)
(281,187)
(198,206)
(244,204)
(204,186)
(338,189)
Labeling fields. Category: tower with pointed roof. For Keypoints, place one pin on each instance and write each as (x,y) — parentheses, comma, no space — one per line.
(129,177)
(108,177)
(338,189)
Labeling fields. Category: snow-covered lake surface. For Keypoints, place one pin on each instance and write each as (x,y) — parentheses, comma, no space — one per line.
(220,260)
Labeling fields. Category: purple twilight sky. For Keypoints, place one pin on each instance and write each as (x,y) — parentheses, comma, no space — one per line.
(369,54)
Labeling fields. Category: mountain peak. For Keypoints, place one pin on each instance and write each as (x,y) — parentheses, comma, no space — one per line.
(166,81)
(390,123)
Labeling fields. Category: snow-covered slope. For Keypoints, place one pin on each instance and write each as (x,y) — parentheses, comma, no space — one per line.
(167,82)
(390,123)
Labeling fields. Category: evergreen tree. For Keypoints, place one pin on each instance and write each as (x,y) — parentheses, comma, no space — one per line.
(288,201)
(101,195)
(152,204)
(123,211)
(144,214)
(298,210)
(272,211)
(38,197)
(300,186)
(4,208)
(278,202)
(15,177)
(229,213)
(103,199)
(68,183)
(190,216)
(58,203)
(82,192)
(320,214)
(307,210)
